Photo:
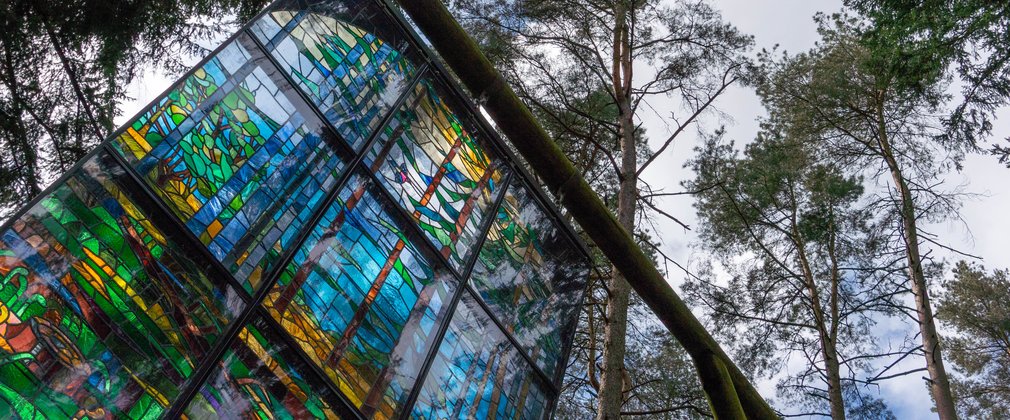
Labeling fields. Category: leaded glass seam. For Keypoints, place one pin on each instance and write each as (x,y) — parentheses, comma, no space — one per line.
(166,217)
(433,350)
(346,405)
(472,257)
(284,259)
(497,142)
(428,66)
(513,162)
(113,252)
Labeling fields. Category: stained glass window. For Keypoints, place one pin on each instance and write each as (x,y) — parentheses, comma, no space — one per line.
(438,170)
(101,314)
(353,75)
(312,223)
(245,172)
(362,300)
(478,373)
(532,276)
(260,377)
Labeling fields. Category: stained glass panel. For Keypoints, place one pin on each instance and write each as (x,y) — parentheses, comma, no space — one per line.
(101,313)
(245,173)
(259,377)
(347,70)
(440,173)
(105,312)
(177,111)
(531,276)
(478,373)
(362,300)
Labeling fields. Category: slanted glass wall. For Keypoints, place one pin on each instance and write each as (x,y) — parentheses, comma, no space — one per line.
(311,223)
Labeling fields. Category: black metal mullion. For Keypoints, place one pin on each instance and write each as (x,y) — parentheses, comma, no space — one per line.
(515,343)
(429,358)
(515,166)
(590,266)
(464,281)
(515,170)
(211,359)
(203,372)
(287,255)
(426,243)
(346,408)
(166,216)
(500,144)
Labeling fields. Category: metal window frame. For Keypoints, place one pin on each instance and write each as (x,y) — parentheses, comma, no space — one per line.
(429,66)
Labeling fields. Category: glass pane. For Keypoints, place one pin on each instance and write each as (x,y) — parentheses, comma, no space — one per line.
(531,276)
(101,313)
(362,300)
(261,378)
(184,103)
(478,373)
(245,173)
(443,176)
(333,54)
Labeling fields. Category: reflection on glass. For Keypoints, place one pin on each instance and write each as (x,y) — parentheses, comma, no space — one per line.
(260,378)
(101,314)
(438,171)
(531,276)
(477,373)
(362,300)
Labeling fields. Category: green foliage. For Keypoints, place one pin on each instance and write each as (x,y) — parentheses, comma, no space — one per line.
(64,67)
(974,304)
(856,97)
(665,385)
(966,38)
(787,226)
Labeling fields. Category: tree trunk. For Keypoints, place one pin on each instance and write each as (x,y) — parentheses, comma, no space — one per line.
(831,349)
(550,163)
(827,344)
(618,290)
(20,140)
(939,384)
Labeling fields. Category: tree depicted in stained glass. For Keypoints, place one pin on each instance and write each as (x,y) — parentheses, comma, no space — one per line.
(478,373)
(316,193)
(244,173)
(260,378)
(439,172)
(531,276)
(170,114)
(352,75)
(362,300)
(101,314)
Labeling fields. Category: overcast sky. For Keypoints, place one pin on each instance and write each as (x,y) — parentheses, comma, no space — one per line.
(787,23)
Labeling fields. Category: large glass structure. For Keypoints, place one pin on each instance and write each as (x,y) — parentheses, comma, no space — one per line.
(313,222)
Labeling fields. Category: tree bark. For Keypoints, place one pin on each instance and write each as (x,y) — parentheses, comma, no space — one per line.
(827,344)
(550,163)
(831,349)
(939,383)
(618,290)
